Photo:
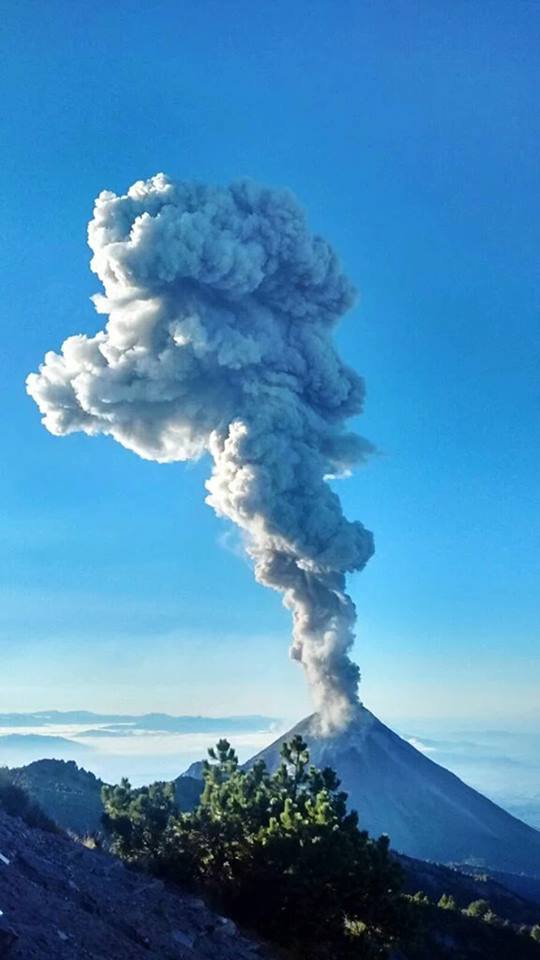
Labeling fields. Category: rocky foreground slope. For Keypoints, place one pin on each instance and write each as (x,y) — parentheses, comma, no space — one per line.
(61,901)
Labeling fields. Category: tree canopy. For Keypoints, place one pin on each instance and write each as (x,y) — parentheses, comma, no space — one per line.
(279,852)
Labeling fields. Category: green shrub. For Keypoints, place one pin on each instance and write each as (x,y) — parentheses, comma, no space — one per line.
(447,902)
(479,909)
(137,820)
(280,853)
(421,898)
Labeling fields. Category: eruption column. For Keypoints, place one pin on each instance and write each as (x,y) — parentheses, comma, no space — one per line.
(221,307)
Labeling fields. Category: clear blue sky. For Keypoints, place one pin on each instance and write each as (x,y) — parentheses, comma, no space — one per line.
(410,132)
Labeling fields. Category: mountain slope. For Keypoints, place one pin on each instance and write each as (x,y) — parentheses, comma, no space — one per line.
(435,879)
(128,722)
(68,794)
(426,810)
(71,796)
(16,748)
(61,901)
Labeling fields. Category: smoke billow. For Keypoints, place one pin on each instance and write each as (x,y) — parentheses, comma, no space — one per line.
(221,308)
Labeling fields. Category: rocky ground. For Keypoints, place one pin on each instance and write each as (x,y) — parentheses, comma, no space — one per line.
(62,901)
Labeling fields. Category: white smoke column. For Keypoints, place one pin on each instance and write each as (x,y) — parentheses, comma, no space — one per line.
(221,310)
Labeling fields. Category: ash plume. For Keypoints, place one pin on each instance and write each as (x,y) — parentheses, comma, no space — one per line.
(221,307)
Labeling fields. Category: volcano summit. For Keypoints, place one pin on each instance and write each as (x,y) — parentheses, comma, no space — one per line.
(427,811)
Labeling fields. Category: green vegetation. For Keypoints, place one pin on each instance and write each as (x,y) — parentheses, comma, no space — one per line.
(281,854)
(442,931)
(478,908)
(447,902)
(420,897)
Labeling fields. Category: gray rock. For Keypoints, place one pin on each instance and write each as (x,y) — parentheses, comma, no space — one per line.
(7,936)
(67,902)
(184,939)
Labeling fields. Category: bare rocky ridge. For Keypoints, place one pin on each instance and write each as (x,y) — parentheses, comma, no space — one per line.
(62,901)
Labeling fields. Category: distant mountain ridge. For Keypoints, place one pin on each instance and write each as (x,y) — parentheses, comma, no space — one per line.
(71,796)
(37,739)
(148,721)
(17,748)
(68,794)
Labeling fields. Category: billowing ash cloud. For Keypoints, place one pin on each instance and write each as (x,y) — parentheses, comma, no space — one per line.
(221,308)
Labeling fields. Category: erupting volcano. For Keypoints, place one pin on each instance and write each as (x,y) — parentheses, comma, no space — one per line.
(427,811)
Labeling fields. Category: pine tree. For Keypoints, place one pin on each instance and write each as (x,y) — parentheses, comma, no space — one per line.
(447,902)
(280,853)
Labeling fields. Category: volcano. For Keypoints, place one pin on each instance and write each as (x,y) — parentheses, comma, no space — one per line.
(428,812)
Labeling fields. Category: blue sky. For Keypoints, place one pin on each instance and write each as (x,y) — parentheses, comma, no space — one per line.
(410,133)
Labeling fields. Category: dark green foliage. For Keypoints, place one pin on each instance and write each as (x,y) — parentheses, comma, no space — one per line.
(280,853)
(16,802)
(481,910)
(421,898)
(453,935)
(137,819)
(478,908)
(447,902)
(438,881)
